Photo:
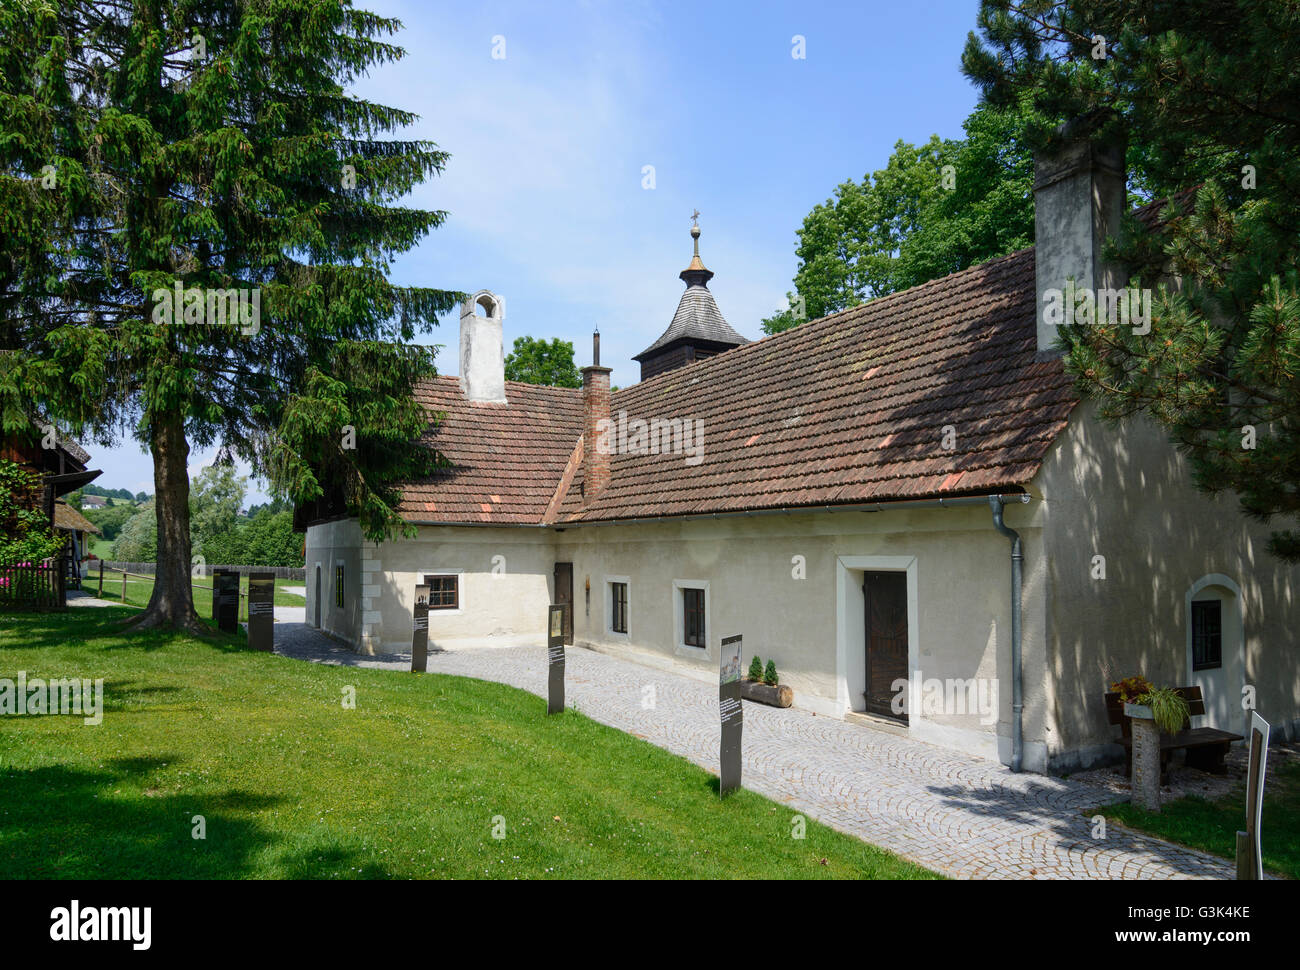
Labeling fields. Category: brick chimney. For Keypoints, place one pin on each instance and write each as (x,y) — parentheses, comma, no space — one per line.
(1079,200)
(595,409)
(482,353)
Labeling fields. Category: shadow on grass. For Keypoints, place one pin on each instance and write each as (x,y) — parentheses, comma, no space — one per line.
(326,863)
(1211,825)
(64,823)
(134,695)
(103,628)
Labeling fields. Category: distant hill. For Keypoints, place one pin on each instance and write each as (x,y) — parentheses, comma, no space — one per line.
(119,493)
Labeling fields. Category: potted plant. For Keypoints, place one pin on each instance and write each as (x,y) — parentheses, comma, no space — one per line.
(1167,708)
(1131,690)
(763,686)
(1151,710)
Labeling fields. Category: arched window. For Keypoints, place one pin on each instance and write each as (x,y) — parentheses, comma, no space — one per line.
(1215,646)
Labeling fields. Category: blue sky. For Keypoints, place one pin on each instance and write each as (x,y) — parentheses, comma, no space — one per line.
(544,188)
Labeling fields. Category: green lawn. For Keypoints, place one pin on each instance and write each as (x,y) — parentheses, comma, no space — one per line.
(406,785)
(139,588)
(1212,826)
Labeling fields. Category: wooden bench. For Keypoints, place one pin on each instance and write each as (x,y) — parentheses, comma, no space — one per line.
(1205,747)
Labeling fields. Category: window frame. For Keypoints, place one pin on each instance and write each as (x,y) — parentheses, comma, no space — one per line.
(340,585)
(455,579)
(695,615)
(682,648)
(445,571)
(1215,633)
(611,606)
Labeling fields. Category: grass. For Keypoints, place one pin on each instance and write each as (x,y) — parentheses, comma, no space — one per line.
(409,784)
(140,588)
(1212,825)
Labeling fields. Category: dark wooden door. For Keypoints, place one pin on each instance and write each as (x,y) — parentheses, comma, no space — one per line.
(885,596)
(564,596)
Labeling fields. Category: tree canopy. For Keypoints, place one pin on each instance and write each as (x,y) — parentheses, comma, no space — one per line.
(197,222)
(549,362)
(933,209)
(1208,97)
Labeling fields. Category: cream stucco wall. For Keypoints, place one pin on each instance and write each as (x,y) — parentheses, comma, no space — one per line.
(813,627)
(330,545)
(505,577)
(1123,493)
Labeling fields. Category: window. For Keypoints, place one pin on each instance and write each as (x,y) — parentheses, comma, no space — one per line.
(618,607)
(338,587)
(1207,634)
(444,592)
(693,628)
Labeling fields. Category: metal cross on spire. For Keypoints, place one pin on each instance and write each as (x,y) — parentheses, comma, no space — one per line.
(695,218)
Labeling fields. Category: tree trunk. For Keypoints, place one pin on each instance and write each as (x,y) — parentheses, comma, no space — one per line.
(172,602)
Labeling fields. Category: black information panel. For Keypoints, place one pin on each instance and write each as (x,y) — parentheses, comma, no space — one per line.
(420,631)
(732,713)
(261,611)
(555,659)
(216,600)
(226,593)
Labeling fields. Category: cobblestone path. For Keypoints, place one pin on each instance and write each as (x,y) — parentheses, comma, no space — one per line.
(956,814)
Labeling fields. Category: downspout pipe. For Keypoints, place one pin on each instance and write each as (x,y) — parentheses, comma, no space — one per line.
(996,503)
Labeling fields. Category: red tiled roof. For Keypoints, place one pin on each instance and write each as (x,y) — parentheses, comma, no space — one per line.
(852,407)
(1152,215)
(506,459)
(847,409)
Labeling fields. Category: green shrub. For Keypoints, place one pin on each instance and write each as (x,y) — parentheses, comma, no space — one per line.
(756,669)
(769,675)
(25,533)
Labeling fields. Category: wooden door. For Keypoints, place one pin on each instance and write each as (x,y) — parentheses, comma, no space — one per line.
(564,596)
(885,598)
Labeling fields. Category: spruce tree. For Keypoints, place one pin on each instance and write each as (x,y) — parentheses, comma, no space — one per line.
(162,156)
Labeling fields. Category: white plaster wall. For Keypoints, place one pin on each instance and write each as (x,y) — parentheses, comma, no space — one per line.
(813,627)
(327,544)
(1124,493)
(505,579)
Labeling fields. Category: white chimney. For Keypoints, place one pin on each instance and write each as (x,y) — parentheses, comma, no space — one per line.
(482,352)
(1079,200)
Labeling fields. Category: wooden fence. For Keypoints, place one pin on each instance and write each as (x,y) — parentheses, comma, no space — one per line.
(148,568)
(241,613)
(38,587)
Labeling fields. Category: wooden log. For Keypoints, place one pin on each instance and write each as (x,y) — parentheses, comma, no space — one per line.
(775,696)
